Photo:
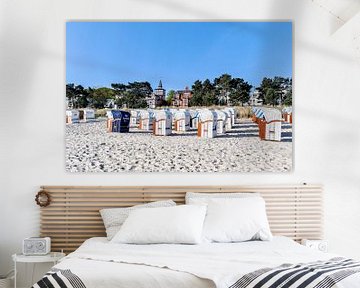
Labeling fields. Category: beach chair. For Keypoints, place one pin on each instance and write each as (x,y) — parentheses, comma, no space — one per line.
(87,115)
(172,111)
(182,121)
(146,120)
(232,115)
(72,116)
(134,118)
(194,119)
(221,121)
(270,125)
(162,123)
(207,124)
(287,114)
(118,121)
(254,110)
(228,124)
(109,116)
(259,115)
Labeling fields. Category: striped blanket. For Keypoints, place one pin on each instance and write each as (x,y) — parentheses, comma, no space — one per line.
(59,278)
(320,274)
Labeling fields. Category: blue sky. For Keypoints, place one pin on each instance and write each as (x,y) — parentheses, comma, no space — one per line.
(178,53)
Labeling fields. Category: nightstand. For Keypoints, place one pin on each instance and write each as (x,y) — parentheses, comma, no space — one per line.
(53,257)
(320,245)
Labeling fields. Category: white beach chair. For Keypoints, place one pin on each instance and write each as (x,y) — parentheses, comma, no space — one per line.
(172,111)
(232,115)
(162,123)
(228,125)
(182,121)
(221,121)
(134,118)
(270,126)
(72,116)
(87,115)
(187,117)
(146,120)
(194,119)
(207,124)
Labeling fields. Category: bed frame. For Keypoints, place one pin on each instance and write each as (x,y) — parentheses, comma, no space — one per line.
(73,215)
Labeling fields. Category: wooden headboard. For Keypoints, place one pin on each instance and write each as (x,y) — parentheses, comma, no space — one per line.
(73,214)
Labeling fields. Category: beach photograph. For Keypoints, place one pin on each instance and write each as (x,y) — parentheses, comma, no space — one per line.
(178,97)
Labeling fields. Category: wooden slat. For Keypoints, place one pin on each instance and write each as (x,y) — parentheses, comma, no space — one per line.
(73,216)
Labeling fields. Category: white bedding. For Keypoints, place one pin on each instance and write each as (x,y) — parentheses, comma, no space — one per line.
(100,263)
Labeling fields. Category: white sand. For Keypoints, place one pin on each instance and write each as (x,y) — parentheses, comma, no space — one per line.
(89,148)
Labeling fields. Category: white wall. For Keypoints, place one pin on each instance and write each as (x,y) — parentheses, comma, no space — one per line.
(32,83)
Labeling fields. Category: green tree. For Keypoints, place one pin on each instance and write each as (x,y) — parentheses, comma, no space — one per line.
(170,97)
(271,97)
(70,94)
(280,87)
(118,88)
(223,87)
(77,96)
(100,96)
(288,98)
(136,94)
(240,91)
(208,93)
(266,83)
(197,97)
(83,99)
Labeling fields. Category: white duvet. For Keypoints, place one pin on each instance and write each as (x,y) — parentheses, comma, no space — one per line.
(100,263)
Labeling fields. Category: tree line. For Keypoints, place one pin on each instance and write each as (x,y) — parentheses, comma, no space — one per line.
(133,95)
(223,90)
(276,91)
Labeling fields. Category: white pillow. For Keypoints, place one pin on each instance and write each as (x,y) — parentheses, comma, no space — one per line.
(236,220)
(113,218)
(173,225)
(204,198)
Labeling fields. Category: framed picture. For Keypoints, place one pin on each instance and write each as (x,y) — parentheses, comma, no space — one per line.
(179,97)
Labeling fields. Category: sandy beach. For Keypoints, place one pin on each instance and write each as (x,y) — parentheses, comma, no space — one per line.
(90,148)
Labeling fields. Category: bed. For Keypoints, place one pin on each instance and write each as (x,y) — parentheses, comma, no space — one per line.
(99,263)
(294,211)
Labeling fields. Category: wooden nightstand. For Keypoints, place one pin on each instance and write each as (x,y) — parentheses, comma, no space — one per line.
(53,257)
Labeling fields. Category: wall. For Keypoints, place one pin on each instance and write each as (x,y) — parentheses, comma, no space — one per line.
(32,65)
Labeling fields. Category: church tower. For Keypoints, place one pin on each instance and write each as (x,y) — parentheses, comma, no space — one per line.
(160,94)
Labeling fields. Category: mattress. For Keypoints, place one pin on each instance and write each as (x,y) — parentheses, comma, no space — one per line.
(99,263)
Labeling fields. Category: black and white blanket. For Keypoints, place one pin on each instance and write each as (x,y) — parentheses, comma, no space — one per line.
(59,278)
(320,274)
